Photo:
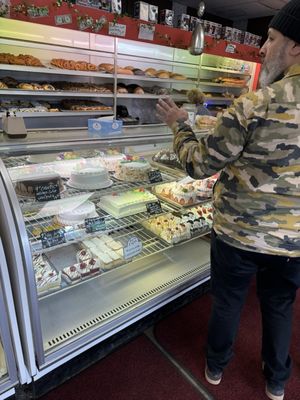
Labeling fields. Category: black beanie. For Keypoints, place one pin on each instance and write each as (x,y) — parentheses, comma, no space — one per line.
(287,20)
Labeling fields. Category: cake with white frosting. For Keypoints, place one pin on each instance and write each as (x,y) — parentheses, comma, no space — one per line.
(76,216)
(132,171)
(90,178)
(121,205)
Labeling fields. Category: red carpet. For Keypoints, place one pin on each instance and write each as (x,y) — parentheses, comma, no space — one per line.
(136,371)
(183,334)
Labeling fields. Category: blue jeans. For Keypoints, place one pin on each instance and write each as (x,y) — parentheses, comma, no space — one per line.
(278,279)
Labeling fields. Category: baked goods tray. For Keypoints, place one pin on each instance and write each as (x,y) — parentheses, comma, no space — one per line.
(200,200)
(48,69)
(151,244)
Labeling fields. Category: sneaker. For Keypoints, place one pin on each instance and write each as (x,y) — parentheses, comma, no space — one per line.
(214,378)
(274,393)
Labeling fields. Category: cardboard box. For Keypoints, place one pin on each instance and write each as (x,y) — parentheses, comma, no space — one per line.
(167,17)
(227,33)
(212,29)
(193,22)
(184,22)
(100,127)
(153,13)
(116,6)
(141,10)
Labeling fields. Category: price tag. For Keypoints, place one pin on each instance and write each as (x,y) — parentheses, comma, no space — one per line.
(155,176)
(133,247)
(47,192)
(154,208)
(94,224)
(53,238)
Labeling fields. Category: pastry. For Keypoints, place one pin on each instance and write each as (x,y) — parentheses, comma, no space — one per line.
(151,72)
(106,67)
(3,85)
(138,71)
(124,71)
(139,90)
(130,67)
(25,86)
(179,77)
(163,75)
(47,86)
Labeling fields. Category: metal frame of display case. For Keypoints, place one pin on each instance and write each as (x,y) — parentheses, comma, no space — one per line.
(134,292)
(17,370)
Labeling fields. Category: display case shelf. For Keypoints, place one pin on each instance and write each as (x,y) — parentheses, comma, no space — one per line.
(53,71)
(225,71)
(53,93)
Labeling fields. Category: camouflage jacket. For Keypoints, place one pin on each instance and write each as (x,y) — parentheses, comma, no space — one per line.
(256,145)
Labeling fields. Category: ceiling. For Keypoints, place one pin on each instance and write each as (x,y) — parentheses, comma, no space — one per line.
(238,9)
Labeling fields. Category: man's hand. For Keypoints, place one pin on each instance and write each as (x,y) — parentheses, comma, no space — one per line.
(169,113)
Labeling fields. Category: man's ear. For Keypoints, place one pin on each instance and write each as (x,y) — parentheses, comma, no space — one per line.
(295,49)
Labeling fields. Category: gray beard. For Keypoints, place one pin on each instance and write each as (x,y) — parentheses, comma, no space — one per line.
(272,70)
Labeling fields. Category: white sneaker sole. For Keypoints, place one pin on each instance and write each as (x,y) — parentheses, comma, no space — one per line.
(273,396)
(212,381)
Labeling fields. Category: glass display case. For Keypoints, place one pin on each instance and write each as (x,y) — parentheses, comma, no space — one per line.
(102,242)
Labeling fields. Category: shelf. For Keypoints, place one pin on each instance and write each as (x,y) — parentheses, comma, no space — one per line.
(208,83)
(218,100)
(34,114)
(53,93)
(152,244)
(114,295)
(224,70)
(53,71)
(141,78)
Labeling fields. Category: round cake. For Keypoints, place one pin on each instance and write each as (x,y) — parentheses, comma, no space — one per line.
(77,215)
(90,178)
(110,161)
(27,186)
(132,171)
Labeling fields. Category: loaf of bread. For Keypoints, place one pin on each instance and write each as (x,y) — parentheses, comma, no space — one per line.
(124,71)
(163,75)
(151,72)
(3,85)
(106,67)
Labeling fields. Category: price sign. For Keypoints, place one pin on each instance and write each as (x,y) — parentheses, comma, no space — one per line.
(94,224)
(89,3)
(46,192)
(63,19)
(133,247)
(53,238)
(155,176)
(154,208)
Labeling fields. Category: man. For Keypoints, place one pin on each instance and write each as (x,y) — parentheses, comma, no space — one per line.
(256,228)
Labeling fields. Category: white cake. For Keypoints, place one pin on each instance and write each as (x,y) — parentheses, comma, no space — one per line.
(110,161)
(77,215)
(127,203)
(90,178)
(132,171)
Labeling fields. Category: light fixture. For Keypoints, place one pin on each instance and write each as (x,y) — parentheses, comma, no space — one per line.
(197,41)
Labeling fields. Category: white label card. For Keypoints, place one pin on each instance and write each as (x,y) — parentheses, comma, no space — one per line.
(146,32)
(133,247)
(116,29)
